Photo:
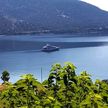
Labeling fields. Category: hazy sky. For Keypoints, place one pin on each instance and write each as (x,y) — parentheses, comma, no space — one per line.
(102,4)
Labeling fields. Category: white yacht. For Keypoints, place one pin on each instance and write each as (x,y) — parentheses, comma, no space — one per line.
(49,48)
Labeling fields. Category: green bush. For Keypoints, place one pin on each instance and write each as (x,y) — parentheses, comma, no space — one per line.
(63,89)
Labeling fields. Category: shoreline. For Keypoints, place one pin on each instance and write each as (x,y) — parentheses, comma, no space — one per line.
(82,34)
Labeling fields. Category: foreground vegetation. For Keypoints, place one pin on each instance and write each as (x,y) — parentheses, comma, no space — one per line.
(62,89)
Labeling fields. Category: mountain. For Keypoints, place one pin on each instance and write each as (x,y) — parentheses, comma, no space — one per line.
(30,16)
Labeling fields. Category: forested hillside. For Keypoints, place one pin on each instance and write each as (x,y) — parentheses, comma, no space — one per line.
(55,16)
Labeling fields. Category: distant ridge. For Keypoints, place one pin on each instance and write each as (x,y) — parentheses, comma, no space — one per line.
(55,16)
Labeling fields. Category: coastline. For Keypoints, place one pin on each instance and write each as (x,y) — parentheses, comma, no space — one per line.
(69,34)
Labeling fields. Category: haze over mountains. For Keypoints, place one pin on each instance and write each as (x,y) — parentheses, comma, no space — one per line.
(56,16)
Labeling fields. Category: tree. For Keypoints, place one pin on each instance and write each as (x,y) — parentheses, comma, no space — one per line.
(5,76)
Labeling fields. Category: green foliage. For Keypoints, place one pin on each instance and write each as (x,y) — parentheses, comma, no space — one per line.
(5,76)
(63,89)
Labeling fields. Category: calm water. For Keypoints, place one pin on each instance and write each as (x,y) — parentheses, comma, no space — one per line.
(93,59)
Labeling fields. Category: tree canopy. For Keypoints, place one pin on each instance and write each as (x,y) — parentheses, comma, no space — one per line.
(63,89)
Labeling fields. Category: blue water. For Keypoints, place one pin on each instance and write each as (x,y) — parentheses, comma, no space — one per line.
(92,59)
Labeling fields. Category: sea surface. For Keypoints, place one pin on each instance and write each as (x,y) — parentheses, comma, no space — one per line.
(22,54)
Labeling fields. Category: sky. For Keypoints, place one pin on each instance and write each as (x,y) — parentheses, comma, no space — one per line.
(102,4)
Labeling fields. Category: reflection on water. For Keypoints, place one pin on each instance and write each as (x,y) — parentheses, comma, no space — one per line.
(56,38)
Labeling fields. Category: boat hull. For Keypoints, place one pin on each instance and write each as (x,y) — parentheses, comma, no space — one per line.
(50,50)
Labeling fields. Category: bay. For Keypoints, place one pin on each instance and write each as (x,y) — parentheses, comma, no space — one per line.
(21,55)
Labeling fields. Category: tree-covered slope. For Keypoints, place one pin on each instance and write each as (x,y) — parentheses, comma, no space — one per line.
(55,15)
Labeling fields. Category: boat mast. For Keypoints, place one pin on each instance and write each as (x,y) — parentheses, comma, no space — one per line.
(41,75)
